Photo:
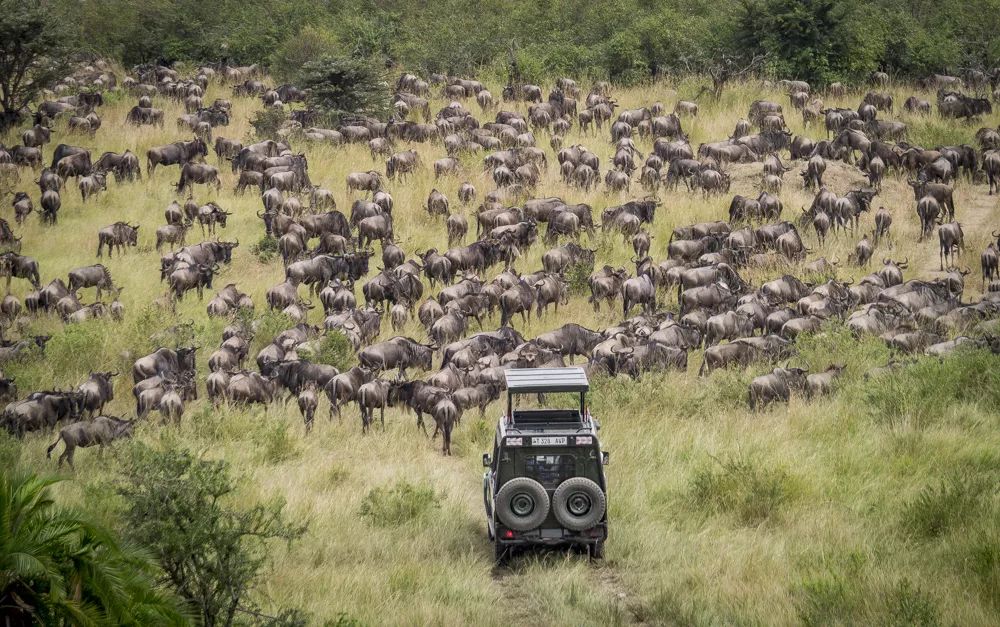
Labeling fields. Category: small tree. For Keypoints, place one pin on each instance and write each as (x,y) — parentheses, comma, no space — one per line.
(341,88)
(212,552)
(33,56)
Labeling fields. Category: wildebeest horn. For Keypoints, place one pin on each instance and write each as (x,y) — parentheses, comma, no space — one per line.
(994,234)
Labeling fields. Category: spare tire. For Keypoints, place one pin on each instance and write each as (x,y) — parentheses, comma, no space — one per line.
(522,504)
(579,503)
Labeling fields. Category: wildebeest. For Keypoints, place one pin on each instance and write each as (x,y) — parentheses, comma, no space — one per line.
(22,207)
(177,153)
(164,361)
(41,410)
(775,387)
(13,265)
(101,431)
(951,240)
(97,391)
(375,394)
(198,173)
(119,235)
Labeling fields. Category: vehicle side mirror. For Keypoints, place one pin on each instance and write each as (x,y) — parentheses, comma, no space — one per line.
(605,458)
(486,459)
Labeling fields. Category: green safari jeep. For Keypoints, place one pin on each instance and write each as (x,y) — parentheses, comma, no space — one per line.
(544,484)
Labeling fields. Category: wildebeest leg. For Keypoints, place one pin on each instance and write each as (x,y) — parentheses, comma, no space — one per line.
(382,415)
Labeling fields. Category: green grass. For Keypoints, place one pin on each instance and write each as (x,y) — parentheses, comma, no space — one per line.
(876,505)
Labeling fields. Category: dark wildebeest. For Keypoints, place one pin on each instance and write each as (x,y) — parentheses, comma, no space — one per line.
(15,266)
(119,235)
(97,391)
(344,387)
(198,173)
(379,394)
(776,386)
(164,361)
(101,431)
(951,240)
(91,276)
(177,153)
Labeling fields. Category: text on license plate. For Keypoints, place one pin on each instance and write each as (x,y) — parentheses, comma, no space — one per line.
(549,441)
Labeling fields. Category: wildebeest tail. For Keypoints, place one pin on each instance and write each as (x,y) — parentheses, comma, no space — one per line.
(48,451)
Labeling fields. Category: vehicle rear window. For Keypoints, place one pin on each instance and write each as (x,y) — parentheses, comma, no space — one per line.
(549,469)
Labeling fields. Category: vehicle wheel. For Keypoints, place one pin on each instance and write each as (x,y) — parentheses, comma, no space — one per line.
(522,504)
(578,503)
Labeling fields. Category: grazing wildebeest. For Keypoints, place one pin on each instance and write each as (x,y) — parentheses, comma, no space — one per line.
(164,361)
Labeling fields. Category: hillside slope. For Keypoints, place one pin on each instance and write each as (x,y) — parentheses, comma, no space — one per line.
(839,509)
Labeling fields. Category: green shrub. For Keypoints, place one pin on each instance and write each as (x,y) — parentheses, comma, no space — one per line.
(336,350)
(906,605)
(267,122)
(826,600)
(400,504)
(982,561)
(927,390)
(578,277)
(275,444)
(265,249)
(743,487)
(940,507)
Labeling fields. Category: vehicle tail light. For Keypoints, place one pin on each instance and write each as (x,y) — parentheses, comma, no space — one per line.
(584,439)
(508,535)
(515,441)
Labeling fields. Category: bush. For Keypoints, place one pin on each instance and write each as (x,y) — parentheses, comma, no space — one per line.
(578,277)
(906,605)
(265,249)
(743,487)
(939,507)
(336,350)
(267,122)
(398,505)
(274,443)
(927,390)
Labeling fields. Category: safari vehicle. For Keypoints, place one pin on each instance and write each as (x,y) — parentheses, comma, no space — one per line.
(544,484)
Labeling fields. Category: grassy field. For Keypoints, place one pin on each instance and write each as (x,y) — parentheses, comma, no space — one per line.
(878,505)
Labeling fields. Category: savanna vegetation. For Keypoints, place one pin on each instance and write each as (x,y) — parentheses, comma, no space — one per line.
(876,504)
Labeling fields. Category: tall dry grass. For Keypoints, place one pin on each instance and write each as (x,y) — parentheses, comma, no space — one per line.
(816,513)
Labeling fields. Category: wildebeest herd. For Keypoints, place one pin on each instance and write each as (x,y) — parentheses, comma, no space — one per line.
(456,292)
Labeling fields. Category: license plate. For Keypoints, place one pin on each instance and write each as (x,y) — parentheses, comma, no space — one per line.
(549,441)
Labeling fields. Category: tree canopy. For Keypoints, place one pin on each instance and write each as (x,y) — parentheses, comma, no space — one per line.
(626,41)
(33,56)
